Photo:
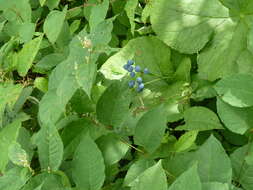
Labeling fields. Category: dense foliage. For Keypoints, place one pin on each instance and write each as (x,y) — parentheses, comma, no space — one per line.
(126,94)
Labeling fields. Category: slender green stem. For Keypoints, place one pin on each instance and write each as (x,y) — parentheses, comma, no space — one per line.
(155,80)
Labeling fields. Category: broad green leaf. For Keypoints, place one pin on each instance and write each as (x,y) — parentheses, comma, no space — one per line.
(220,59)
(74,132)
(183,72)
(98,13)
(219,167)
(112,148)
(50,147)
(18,155)
(130,11)
(63,80)
(42,2)
(51,4)
(244,62)
(242,171)
(188,180)
(24,95)
(53,24)
(74,26)
(14,179)
(150,129)
(24,139)
(187,25)
(8,135)
(13,92)
(136,169)
(26,31)
(215,186)
(213,162)
(86,75)
(152,178)
(2,25)
(113,105)
(46,181)
(48,62)
(16,10)
(238,120)
(200,118)
(244,6)
(147,52)
(184,27)
(27,54)
(185,141)
(88,165)
(146,11)
(41,83)
(227,88)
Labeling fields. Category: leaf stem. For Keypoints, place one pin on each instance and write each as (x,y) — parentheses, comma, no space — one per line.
(155,80)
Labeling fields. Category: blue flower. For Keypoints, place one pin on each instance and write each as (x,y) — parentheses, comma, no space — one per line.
(126,67)
(146,71)
(132,74)
(131,83)
(139,80)
(140,87)
(130,68)
(130,62)
(137,68)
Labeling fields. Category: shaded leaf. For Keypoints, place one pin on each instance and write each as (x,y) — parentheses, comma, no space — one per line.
(27,55)
(150,129)
(152,178)
(50,147)
(88,165)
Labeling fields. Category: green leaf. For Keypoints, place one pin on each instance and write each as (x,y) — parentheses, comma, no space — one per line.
(200,118)
(74,131)
(51,4)
(215,186)
(86,75)
(227,88)
(147,52)
(187,25)
(13,92)
(112,148)
(213,163)
(116,98)
(50,147)
(26,31)
(130,11)
(63,80)
(136,169)
(42,2)
(41,83)
(8,135)
(18,155)
(237,120)
(152,178)
(220,59)
(48,62)
(242,171)
(150,129)
(27,55)
(53,24)
(88,169)
(98,14)
(185,141)
(14,179)
(188,180)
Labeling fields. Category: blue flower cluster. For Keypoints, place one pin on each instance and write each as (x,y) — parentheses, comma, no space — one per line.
(134,70)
